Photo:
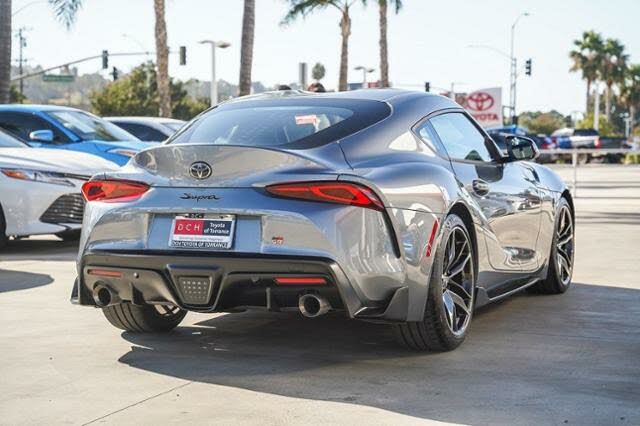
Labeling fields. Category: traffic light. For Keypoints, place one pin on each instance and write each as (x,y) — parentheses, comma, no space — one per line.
(183,55)
(527,67)
(115,73)
(427,86)
(105,59)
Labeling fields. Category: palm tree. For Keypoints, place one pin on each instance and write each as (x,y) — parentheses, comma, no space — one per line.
(246,49)
(162,60)
(587,58)
(5,50)
(384,58)
(67,11)
(613,69)
(630,91)
(305,7)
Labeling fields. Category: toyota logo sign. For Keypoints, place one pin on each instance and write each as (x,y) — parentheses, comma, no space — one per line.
(479,101)
(200,170)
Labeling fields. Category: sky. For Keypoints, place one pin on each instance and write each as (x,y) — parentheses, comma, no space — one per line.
(428,41)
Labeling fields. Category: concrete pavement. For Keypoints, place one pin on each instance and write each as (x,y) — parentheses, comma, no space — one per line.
(531,359)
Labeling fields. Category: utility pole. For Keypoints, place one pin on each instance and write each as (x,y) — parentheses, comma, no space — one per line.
(514,70)
(22,43)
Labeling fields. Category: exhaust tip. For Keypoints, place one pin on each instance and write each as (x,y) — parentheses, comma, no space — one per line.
(105,296)
(312,305)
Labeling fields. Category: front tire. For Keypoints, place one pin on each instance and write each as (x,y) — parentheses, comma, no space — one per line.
(450,300)
(145,318)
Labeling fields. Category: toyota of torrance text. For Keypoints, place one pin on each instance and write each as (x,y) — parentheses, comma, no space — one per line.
(389,206)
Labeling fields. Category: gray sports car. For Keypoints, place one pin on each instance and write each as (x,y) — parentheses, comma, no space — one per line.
(390,206)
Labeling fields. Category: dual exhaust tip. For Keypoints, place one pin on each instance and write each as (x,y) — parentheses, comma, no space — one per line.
(310,305)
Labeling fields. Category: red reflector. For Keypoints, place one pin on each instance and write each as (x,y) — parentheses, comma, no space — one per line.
(300,281)
(329,192)
(431,238)
(113,190)
(105,273)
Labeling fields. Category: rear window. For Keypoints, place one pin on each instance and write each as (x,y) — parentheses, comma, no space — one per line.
(296,124)
(585,132)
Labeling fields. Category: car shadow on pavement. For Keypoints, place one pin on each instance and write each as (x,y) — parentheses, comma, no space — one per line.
(37,249)
(528,359)
(18,280)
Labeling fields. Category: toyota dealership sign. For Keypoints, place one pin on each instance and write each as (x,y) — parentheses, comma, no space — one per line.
(484,105)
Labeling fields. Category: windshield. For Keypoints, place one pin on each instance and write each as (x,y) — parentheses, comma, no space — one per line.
(89,127)
(7,141)
(298,123)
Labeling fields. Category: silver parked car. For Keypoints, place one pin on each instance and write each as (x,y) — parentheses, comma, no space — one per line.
(390,206)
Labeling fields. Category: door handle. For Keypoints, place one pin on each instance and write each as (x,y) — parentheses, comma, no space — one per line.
(480,187)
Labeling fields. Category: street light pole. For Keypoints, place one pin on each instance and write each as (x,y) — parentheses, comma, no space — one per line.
(214,84)
(514,70)
(365,71)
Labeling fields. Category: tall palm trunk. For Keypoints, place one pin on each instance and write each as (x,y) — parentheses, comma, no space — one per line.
(384,59)
(162,60)
(589,83)
(246,49)
(345,28)
(607,101)
(5,50)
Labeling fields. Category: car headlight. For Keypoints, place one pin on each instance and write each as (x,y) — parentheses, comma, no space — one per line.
(122,151)
(37,176)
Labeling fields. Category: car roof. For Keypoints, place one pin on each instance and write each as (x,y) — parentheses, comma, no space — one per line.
(35,108)
(382,95)
(134,119)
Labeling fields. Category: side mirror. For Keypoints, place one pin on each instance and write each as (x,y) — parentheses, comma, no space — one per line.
(41,136)
(520,148)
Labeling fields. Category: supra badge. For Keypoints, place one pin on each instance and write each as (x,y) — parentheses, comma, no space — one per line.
(200,170)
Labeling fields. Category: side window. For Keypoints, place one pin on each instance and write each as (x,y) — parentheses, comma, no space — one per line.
(426,133)
(21,125)
(461,139)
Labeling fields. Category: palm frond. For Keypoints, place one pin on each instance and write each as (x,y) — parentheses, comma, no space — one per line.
(66,10)
(302,8)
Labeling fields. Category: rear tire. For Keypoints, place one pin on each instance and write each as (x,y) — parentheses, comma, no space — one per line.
(145,318)
(560,262)
(3,229)
(450,300)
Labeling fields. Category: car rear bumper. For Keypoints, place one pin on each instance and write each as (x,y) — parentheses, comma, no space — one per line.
(226,281)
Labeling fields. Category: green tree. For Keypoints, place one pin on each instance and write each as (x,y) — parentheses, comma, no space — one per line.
(246,47)
(612,69)
(587,58)
(318,71)
(5,50)
(67,12)
(384,55)
(630,92)
(302,8)
(15,97)
(605,128)
(542,122)
(136,94)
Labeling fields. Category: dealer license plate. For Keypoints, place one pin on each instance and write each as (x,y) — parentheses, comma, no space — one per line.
(200,231)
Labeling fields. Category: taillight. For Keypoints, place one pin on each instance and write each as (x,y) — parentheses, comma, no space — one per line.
(113,190)
(597,143)
(329,192)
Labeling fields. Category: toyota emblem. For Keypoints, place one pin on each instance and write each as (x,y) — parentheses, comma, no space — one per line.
(200,170)
(479,101)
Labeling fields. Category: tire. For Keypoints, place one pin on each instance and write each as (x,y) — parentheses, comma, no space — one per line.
(558,279)
(143,319)
(436,332)
(3,229)
(72,235)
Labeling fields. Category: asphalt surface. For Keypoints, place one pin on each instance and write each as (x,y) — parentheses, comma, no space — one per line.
(531,359)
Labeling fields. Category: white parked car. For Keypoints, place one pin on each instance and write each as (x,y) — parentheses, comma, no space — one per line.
(148,129)
(40,189)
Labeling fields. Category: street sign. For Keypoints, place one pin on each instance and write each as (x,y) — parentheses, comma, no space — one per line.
(58,78)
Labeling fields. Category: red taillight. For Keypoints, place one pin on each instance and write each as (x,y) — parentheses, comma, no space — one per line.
(329,192)
(113,190)
(597,143)
(300,281)
(105,273)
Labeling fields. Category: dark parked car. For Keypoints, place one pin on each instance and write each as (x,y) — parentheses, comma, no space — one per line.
(148,129)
